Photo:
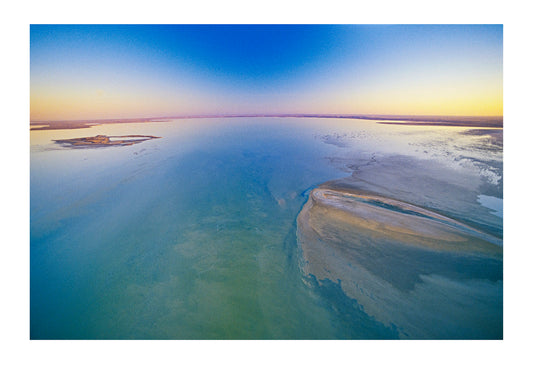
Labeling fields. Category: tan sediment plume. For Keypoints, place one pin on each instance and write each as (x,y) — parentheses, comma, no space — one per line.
(404,265)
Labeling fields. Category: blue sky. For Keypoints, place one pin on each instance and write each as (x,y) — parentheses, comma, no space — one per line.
(94,71)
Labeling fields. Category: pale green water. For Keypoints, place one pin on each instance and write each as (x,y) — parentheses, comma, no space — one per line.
(193,236)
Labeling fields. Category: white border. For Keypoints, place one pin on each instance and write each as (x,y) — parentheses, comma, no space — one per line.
(62,358)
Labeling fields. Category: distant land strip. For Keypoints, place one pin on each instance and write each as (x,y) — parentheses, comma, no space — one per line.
(454,121)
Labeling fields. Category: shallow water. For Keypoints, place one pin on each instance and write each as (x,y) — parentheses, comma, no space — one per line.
(193,236)
(493,203)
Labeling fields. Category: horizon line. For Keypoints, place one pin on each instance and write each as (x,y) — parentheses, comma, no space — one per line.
(399,117)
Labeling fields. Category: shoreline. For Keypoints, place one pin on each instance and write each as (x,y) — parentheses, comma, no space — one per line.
(416,120)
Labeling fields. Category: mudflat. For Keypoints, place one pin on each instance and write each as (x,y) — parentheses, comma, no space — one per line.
(403,264)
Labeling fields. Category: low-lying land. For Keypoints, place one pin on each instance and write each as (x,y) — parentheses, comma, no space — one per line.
(492,122)
(105,141)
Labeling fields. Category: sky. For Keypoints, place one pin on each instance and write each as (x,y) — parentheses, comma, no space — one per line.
(130,71)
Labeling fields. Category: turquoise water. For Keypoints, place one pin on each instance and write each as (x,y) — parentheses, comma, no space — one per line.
(193,236)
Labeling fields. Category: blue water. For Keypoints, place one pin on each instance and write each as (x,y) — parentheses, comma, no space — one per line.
(191,236)
(494,204)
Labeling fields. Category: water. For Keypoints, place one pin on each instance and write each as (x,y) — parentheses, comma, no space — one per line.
(193,236)
(493,203)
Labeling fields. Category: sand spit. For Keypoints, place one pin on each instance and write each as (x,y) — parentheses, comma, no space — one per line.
(105,141)
(419,272)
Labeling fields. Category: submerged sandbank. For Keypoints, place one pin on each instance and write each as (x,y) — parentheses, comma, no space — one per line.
(404,265)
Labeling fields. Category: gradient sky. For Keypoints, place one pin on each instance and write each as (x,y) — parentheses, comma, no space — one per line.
(127,71)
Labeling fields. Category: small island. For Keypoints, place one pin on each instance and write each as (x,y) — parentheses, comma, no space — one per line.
(105,141)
